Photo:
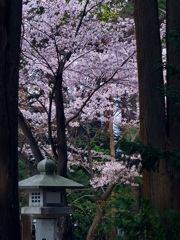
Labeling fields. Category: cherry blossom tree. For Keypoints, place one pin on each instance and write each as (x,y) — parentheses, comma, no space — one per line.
(96,63)
(73,64)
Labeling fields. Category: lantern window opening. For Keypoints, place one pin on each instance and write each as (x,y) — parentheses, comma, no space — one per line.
(35,198)
(54,198)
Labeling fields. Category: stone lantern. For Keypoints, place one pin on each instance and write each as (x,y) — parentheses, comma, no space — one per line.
(47,198)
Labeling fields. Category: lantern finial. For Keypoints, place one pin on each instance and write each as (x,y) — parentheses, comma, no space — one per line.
(47,166)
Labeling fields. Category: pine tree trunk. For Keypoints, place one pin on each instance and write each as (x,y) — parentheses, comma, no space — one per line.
(10,27)
(173,80)
(156,184)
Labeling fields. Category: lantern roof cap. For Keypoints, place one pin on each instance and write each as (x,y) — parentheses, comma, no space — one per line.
(47,166)
(48,178)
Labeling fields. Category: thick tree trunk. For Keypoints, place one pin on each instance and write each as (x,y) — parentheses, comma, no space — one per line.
(173,80)
(10,27)
(156,184)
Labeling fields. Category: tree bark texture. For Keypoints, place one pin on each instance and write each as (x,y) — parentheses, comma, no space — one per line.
(100,210)
(173,74)
(65,228)
(173,80)
(156,184)
(96,221)
(60,123)
(26,227)
(10,29)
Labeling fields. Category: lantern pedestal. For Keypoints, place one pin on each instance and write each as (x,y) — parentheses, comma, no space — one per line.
(47,194)
(46,229)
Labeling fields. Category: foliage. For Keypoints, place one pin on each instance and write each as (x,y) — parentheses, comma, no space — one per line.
(174,38)
(151,224)
(130,132)
(83,204)
(162,4)
(114,9)
(149,155)
(123,212)
(23,173)
(121,201)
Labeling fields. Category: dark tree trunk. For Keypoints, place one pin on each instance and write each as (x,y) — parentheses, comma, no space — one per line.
(65,228)
(10,29)
(30,138)
(156,184)
(60,123)
(173,80)
(26,227)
